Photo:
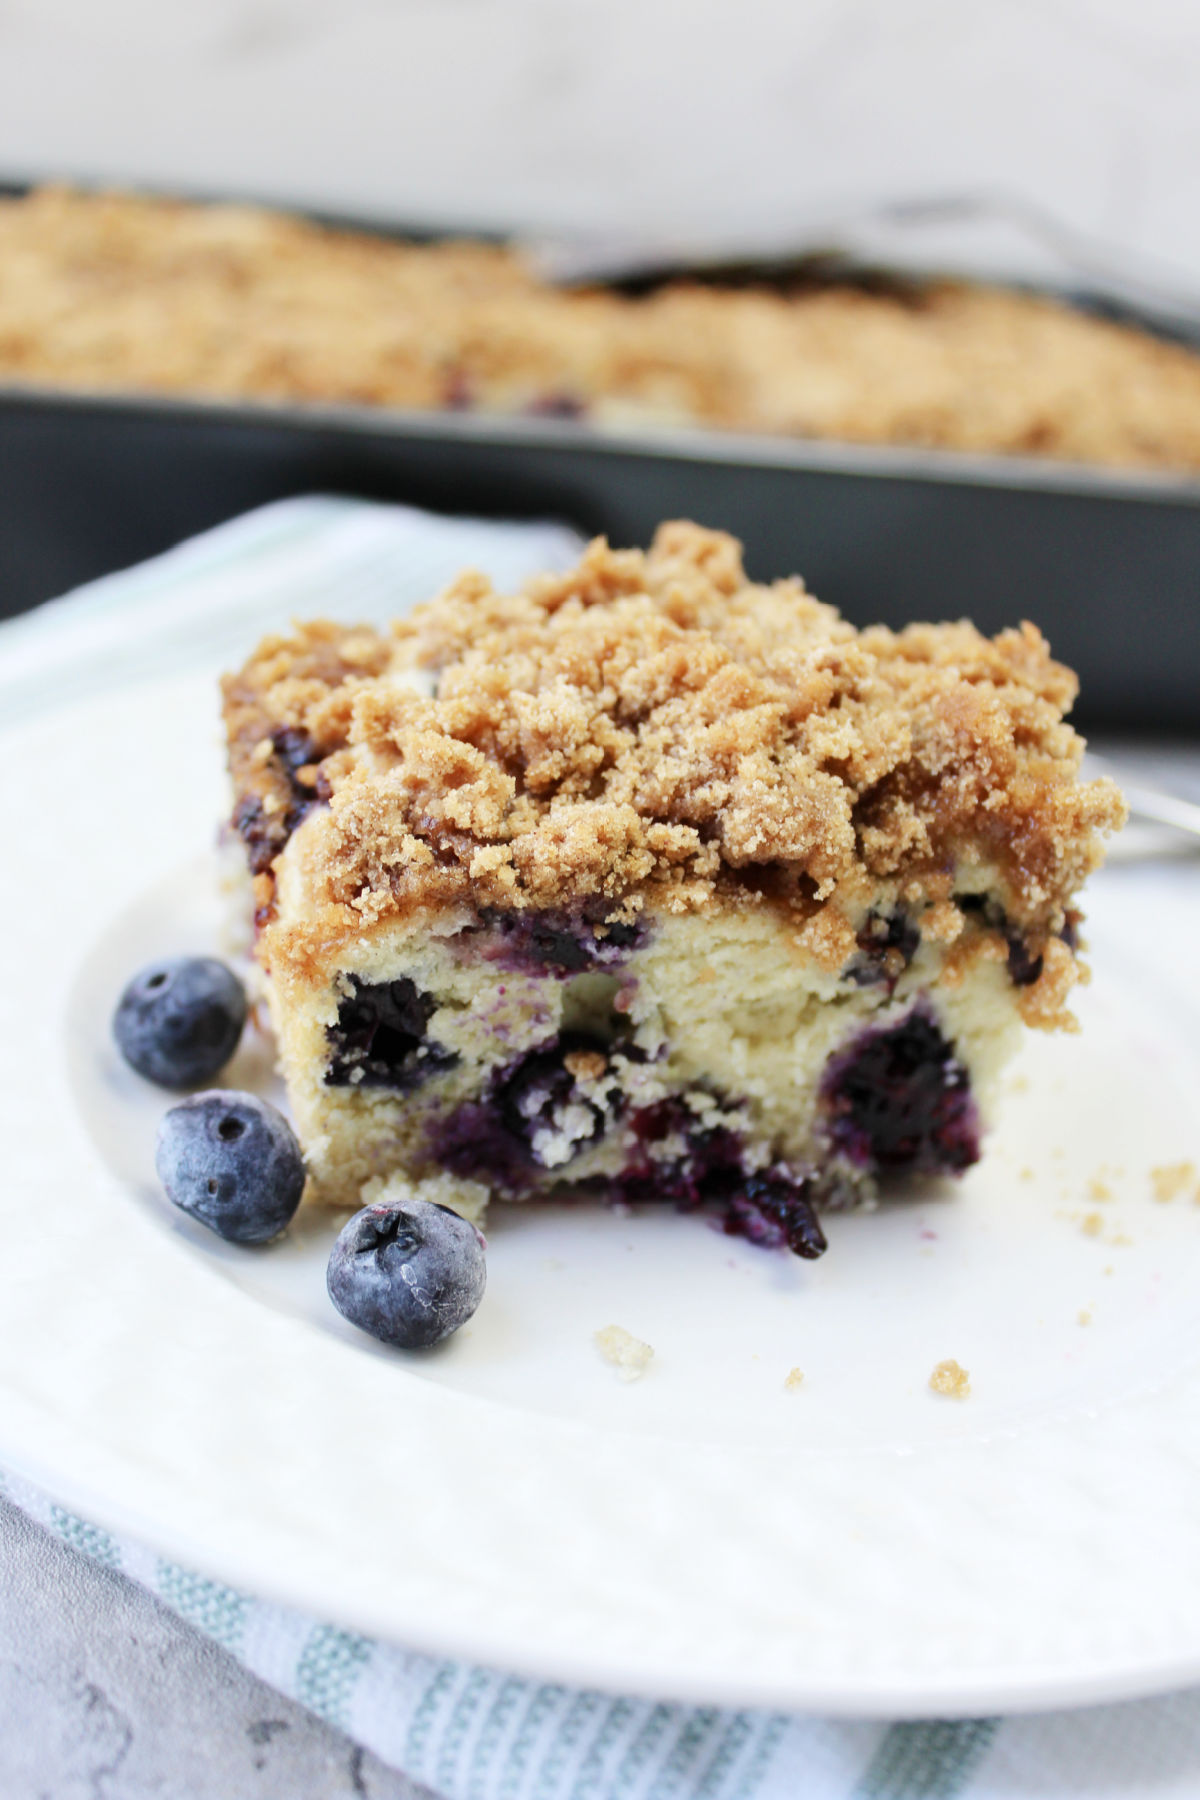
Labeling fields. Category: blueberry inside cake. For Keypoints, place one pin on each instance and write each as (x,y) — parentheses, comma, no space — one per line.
(652,883)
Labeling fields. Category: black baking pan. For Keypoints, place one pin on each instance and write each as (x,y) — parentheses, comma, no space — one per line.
(1107,564)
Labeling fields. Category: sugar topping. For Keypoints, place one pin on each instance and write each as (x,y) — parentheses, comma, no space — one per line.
(653,729)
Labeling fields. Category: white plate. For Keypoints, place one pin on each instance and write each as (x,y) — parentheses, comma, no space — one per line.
(860,1545)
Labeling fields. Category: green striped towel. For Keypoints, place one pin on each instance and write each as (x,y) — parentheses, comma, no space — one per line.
(469,1733)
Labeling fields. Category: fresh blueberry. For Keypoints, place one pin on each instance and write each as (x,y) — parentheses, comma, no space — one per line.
(408,1271)
(178,1021)
(231,1161)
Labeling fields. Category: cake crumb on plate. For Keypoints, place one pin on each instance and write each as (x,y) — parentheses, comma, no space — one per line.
(793,1380)
(1169,1180)
(951,1378)
(629,1356)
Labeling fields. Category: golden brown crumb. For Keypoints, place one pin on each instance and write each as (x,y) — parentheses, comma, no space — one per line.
(1093,1224)
(794,1379)
(652,728)
(1098,1189)
(111,291)
(1170,1180)
(952,1379)
(629,1356)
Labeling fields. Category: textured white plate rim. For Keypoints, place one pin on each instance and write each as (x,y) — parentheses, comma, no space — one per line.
(101,1427)
(96,1501)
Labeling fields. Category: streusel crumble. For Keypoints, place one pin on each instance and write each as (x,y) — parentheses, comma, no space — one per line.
(651,882)
(119,293)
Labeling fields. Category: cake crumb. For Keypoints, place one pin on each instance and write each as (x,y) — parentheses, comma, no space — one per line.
(628,1355)
(1026,1174)
(1169,1180)
(1098,1189)
(951,1378)
(1092,1224)
(1084,1316)
(793,1380)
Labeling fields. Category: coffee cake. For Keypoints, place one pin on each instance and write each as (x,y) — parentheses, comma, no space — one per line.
(650,882)
(126,293)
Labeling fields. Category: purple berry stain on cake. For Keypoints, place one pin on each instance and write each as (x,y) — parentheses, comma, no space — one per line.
(534,1116)
(536,1104)
(774,1209)
(556,406)
(887,944)
(898,1101)
(704,1167)
(1024,965)
(380,1039)
(552,943)
(265,834)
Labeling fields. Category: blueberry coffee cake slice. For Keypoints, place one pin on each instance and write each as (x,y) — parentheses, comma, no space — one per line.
(652,883)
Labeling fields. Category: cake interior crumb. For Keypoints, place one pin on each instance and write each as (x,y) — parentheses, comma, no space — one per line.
(628,1355)
(793,1380)
(1170,1180)
(950,1378)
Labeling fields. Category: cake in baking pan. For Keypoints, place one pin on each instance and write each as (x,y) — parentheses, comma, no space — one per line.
(114,292)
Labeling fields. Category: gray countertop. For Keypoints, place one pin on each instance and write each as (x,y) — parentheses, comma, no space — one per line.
(106,1695)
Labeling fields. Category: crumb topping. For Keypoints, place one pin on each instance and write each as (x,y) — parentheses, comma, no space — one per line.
(1170,1180)
(653,729)
(951,1379)
(117,292)
(628,1355)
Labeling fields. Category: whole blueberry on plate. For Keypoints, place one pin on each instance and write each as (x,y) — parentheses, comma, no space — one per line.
(409,1272)
(178,1021)
(232,1161)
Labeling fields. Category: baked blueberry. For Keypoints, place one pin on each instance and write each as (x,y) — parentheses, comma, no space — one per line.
(178,1021)
(232,1161)
(899,1101)
(408,1272)
(380,1039)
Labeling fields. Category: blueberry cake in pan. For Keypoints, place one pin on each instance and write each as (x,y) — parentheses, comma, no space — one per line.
(131,293)
(648,882)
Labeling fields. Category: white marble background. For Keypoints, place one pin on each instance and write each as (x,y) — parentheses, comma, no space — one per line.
(661,115)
